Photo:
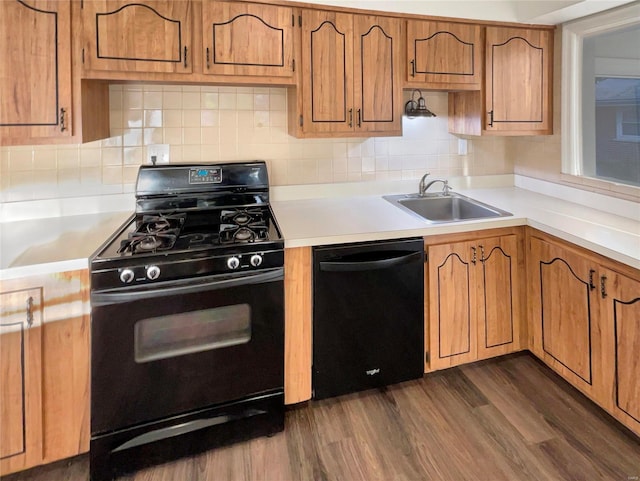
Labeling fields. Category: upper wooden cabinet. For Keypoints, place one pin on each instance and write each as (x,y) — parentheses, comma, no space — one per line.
(475,298)
(248,39)
(350,81)
(148,36)
(517,96)
(518,80)
(444,55)
(35,70)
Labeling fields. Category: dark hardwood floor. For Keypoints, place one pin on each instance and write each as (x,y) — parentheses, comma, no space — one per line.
(508,419)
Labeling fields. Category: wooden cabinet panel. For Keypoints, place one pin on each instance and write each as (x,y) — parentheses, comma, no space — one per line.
(585,321)
(474,297)
(44,369)
(298,314)
(518,83)
(624,312)
(126,36)
(377,92)
(327,45)
(564,322)
(517,97)
(350,80)
(20,379)
(452,311)
(500,296)
(248,39)
(35,69)
(444,55)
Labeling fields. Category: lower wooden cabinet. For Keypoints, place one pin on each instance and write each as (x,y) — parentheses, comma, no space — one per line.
(585,323)
(20,379)
(474,292)
(44,369)
(298,313)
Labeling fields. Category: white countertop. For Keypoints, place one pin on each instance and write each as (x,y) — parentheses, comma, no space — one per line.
(340,213)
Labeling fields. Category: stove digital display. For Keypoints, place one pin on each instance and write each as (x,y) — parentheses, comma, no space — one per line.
(205,175)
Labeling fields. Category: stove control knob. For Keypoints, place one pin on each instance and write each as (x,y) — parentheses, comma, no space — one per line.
(153,272)
(127,276)
(256,260)
(233,262)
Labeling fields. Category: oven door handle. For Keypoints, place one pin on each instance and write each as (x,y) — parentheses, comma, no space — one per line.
(204,284)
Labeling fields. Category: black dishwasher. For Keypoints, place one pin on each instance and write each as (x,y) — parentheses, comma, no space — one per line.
(368,315)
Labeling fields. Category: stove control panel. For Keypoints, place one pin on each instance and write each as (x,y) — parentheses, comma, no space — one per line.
(205,175)
(168,270)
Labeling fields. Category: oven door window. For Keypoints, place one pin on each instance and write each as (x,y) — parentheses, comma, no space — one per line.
(179,334)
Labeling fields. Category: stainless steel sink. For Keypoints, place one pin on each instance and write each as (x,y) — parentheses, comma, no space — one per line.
(440,208)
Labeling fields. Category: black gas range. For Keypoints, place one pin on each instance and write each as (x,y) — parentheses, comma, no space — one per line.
(187,333)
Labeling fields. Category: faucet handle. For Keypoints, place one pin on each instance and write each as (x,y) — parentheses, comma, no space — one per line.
(446,188)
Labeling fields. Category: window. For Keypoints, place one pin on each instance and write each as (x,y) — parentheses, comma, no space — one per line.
(601,96)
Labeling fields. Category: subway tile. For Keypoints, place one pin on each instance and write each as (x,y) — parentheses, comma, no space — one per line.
(277,102)
(172,118)
(191,135)
(112,156)
(132,119)
(244,101)
(172,100)
(152,136)
(172,135)
(45,159)
(227,100)
(210,135)
(209,100)
(191,100)
(153,118)
(112,175)
(132,100)
(191,118)
(132,156)
(152,100)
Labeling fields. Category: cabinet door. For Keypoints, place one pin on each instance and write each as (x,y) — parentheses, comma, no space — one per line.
(622,297)
(327,75)
(35,69)
(444,55)
(20,380)
(127,36)
(518,80)
(377,90)
(248,39)
(498,296)
(565,315)
(452,305)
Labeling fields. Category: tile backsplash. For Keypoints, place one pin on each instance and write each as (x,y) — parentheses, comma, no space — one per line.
(210,123)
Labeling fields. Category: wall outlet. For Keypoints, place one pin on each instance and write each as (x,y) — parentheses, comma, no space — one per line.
(462,147)
(157,154)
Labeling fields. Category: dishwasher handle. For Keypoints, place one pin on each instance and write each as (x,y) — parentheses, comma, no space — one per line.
(369,265)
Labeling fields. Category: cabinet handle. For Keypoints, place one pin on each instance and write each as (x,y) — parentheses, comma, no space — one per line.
(491,118)
(592,286)
(207,57)
(63,125)
(413,68)
(350,117)
(185,56)
(603,286)
(29,311)
(359,118)
(482,259)
(474,256)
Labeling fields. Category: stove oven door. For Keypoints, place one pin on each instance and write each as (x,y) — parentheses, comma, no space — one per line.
(173,348)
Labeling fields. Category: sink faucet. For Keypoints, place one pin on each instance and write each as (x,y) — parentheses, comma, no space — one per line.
(422,188)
